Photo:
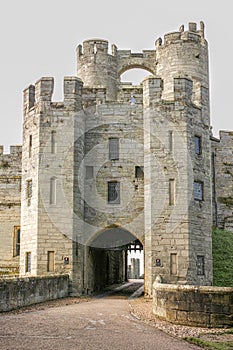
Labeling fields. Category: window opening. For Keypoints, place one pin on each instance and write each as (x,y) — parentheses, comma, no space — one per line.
(113,192)
(16,246)
(89,172)
(29,191)
(50,266)
(113,149)
(53,190)
(139,172)
(197,141)
(171,192)
(200,265)
(95,48)
(173,264)
(53,142)
(30,146)
(28,262)
(170,141)
(198,190)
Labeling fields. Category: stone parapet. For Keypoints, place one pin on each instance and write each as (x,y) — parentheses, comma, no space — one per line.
(24,291)
(194,305)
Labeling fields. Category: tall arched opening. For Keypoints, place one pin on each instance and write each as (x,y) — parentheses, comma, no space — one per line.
(107,257)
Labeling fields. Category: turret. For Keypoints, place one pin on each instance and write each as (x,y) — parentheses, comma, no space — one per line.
(184,53)
(96,67)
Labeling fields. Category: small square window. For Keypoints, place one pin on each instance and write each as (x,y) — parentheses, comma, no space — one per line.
(197,141)
(139,173)
(89,172)
(114,192)
(198,190)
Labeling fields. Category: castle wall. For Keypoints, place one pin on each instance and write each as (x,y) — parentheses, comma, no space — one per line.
(10,192)
(97,144)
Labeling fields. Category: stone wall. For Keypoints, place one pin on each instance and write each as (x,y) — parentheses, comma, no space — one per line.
(19,292)
(178,226)
(193,305)
(49,134)
(10,192)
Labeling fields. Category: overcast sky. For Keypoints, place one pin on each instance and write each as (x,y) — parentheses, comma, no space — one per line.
(39,38)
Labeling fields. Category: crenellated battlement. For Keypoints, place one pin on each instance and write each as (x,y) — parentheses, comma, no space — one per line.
(192,34)
(15,150)
(183,91)
(93,47)
(41,94)
(226,134)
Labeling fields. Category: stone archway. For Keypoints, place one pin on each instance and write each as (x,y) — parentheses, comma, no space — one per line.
(107,257)
(134,76)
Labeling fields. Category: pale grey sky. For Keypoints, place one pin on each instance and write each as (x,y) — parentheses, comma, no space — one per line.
(39,38)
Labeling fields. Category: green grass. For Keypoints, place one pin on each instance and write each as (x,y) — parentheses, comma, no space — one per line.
(210,345)
(222,258)
(223,277)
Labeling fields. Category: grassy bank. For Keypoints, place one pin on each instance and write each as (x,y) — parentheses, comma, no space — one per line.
(223,258)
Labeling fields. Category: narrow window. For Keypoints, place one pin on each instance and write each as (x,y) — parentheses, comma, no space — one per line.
(30,146)
(89,172)
(29,191)
(200,265)
(113,149)
(198,190)
(171,192)
(53,190)
(20,184)
(16,241)
(53,142)
(139,173)
(173,264)
(28,262)
(50,266)
(197,141)
(95,48)
(114,192)
(170,141)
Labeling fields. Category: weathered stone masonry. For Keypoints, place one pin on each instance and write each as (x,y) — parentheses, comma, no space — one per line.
(114,162)
(10,199)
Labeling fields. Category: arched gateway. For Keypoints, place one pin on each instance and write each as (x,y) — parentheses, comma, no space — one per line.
(115,161)
(107,256)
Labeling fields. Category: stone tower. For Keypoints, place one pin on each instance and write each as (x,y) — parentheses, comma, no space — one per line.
(116,163)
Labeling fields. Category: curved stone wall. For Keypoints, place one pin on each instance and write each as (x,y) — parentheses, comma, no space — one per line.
(202,306)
